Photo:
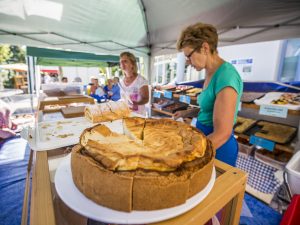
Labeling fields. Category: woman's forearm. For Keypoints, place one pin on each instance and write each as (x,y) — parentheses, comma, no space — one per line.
(218,138)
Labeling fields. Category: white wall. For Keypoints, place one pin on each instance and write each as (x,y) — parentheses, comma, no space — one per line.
(265,55)
(83,72)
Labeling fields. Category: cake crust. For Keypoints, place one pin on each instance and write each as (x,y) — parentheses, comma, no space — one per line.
(145,187)
(99,184)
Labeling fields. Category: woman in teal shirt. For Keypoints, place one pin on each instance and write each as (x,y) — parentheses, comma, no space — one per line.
(222,89)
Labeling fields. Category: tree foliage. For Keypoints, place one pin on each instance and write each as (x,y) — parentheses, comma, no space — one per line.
(5,53)
(18,54)
(11,54)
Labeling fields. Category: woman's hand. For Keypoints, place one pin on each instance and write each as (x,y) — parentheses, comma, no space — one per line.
(6,133)
(181,113)
(133,106)
(186,113)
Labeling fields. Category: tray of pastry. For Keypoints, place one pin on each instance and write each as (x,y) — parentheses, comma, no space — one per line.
(276,132)
(193,92)
(162,103)
(182,88)
(71,112)
(248,97)
(53,108)
(242,124)
(175,107)
(287,100)
(167,87)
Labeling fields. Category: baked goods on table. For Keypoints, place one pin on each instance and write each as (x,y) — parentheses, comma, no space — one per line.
(183,87)
(242,124)
(193,91)
(106,111)
(175,107)
(71,112)
(288,98)
(275,132)
(155,164)
(162,103)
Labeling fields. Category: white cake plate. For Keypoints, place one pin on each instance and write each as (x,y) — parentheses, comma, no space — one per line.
(73,198)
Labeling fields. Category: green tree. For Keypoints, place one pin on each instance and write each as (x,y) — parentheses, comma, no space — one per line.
(18,54)
(11,54)
(5,53)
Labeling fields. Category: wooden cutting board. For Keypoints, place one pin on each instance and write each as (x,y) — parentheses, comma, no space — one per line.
(71,112)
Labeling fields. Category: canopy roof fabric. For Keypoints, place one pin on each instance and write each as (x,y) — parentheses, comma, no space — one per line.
(50,57)
(142,26)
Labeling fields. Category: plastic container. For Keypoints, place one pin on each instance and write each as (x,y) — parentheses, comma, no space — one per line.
(134,97)
(275,160)
(245,149)
(293,173)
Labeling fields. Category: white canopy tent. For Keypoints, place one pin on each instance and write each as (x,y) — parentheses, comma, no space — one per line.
(145,27)
(18,67)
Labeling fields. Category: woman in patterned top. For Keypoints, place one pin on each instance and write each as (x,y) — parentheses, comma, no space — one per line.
(134,87)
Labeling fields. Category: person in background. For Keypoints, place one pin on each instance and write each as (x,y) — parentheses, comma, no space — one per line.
(96,91)
(6,125)
(94,85)
(133,86)
(77,80)
(116,90)
(64,80)
(222,89)
(108,86)
(54,77)
(112,90)
(42,78)
(116,80)
(47,78)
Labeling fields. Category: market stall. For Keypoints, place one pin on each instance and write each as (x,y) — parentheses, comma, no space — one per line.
(225,188)
(150,28)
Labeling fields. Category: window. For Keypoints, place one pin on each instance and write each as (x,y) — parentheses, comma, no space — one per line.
(290,63)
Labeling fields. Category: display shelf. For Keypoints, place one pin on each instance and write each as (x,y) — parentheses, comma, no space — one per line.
(193,98)
(163,112)
(257,107)
(175,97)
(285,148)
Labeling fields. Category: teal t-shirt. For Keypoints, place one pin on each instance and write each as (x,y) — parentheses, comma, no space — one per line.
(225,76)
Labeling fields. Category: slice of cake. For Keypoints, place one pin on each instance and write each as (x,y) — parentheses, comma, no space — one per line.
(108,111)
(133,127)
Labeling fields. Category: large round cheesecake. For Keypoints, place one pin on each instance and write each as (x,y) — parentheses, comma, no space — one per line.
(155,164)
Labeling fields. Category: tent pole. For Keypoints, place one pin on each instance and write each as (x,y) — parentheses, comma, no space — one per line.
(148,57)
(143,9)
(30,74)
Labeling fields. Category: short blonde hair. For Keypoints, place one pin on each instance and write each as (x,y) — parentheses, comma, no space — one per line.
(194,35)
(132,59)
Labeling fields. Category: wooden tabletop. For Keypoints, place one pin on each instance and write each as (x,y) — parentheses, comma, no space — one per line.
(228,192)
(66,100)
